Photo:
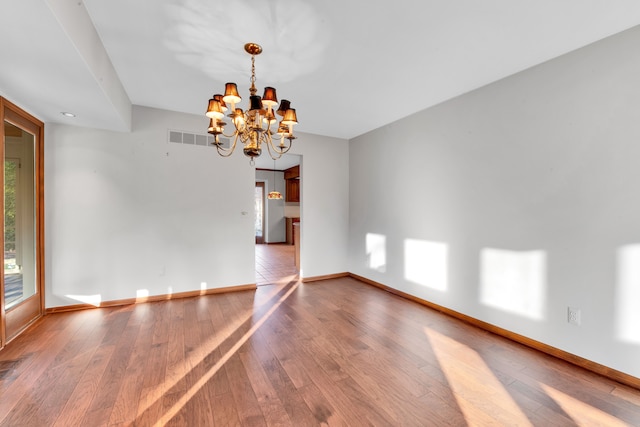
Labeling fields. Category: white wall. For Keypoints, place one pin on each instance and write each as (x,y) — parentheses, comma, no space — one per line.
(274,209)
(515,201)
(129,213)
(292,209)
(324,204)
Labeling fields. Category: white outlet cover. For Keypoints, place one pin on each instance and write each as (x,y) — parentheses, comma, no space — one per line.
(573,316)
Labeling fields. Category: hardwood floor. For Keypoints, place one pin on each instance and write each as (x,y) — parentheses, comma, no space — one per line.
(336,352)
(275,263)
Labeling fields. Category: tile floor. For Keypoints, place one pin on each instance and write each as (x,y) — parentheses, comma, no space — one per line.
(275,263)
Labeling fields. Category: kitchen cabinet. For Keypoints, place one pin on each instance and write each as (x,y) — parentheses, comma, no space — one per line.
(292,190)
(292,172)
(296,242)
(292,178)
(289,225)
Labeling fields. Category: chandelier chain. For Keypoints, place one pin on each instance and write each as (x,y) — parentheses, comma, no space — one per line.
(253,89)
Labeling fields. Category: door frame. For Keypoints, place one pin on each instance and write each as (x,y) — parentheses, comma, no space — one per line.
(23,314)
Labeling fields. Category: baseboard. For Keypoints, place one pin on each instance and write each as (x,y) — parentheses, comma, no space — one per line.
(165,297)
(589,365)
(326,277)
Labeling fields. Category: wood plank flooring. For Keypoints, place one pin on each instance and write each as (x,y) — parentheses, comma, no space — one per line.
(336,352)
(275,263)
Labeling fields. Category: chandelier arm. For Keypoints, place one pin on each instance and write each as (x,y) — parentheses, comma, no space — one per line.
(265,136)
(270,146)
(244,137)
(284,150)
(278,149)
(241,128)
(271,153)
(269,128)
(230,135)
(226,152)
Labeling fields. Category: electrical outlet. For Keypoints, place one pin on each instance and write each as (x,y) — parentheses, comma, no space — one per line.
(573,316)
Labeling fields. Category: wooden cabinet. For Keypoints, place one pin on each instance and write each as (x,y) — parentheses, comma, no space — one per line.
(292,178)
(289,224)
(292,172)
(292,190)
(296,242)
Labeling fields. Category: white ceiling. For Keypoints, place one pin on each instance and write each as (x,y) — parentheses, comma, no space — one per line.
(348,67)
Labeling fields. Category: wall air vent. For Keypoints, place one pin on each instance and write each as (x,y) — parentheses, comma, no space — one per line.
(188,138)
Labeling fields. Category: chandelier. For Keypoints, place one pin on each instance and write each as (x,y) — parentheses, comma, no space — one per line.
(252,127)
(275,194)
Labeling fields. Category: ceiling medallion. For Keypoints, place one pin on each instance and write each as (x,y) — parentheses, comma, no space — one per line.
(253,126)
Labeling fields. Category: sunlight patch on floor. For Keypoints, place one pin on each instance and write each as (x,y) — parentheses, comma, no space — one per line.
(286,279)
(481,397)
(582,413)
(189,394)
(176,373)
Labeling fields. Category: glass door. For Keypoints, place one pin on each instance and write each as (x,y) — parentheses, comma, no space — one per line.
(258,198)
(15,290)
(21,285)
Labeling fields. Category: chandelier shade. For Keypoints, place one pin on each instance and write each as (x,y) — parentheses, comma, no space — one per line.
(215,109)
(231,94)
(255,104)
(290,117)
(284,106)
(218,98)
(252,127)
(269,98)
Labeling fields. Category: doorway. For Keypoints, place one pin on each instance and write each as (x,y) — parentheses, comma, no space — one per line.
(21,284)
(275,255)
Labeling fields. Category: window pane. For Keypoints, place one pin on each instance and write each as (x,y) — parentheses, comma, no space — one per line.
(19,216)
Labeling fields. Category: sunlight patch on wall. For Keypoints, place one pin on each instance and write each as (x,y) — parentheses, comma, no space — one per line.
(580,412)
(142,295)
(93,300)
(514,281)
(472,381)
(376,247)
(628,294)
(426,263)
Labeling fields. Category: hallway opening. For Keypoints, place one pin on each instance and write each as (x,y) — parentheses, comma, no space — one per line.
(275,263)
